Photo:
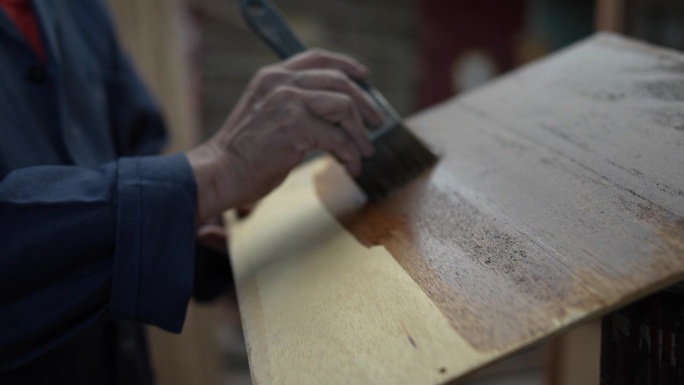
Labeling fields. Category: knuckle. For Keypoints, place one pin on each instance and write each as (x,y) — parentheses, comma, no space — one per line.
(317,51)
(301,78)
(270,74)
(320,56)
(263,72)
(335,77)
(284,93)
(336,74)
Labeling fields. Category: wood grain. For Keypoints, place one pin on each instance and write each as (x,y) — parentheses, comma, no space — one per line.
(559,196)
(319,307)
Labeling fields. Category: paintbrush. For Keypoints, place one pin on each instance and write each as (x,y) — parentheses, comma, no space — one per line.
(399,155)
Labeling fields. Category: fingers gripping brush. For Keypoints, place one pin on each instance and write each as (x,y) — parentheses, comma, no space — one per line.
(399,155)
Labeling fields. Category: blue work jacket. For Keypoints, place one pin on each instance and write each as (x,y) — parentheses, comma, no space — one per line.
(94,228)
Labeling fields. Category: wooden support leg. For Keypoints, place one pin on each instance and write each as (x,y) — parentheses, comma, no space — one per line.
(610,15)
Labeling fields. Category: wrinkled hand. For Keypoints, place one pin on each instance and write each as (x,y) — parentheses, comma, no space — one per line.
(302,104)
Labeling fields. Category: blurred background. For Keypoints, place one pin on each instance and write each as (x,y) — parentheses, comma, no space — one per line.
(197,56)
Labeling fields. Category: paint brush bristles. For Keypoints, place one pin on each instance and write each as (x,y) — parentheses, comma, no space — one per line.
(399,158)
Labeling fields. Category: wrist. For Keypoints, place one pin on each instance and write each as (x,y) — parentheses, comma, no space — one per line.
(213,179)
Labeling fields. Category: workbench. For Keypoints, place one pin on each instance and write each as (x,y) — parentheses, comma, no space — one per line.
(559,197)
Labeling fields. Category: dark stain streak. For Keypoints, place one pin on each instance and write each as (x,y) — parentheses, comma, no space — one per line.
(671,90)
(633,171)
(477,234)
(675,67)
(670,189)
(413,343)
(603,95)
(559,133)
(506,143)
(486,242)
(566,137)
(513,129)
(486,172)
(442,370)
(555,162)
(670,118)
(662,187)
(595,173)
(670,228)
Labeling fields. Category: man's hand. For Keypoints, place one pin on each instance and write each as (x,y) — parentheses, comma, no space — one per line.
(305,103)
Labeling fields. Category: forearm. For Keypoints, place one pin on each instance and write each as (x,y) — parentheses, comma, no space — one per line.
(77,241)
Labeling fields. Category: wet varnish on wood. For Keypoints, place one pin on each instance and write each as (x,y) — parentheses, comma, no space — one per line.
(559,196)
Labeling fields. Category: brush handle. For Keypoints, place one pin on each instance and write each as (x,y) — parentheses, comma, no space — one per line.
(266,20)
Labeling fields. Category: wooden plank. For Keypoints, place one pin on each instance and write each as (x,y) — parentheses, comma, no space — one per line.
(559,196)
(319,307)
(580,355)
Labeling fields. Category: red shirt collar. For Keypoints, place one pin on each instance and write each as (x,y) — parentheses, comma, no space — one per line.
(23,16)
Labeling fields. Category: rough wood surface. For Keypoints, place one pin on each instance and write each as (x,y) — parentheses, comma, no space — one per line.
(559,196)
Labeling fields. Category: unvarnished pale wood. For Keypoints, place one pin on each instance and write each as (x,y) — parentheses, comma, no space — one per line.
(319,307)
(559,196)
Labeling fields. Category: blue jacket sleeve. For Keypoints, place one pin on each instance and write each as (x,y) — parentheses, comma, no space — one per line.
(76,242)
(138,125)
